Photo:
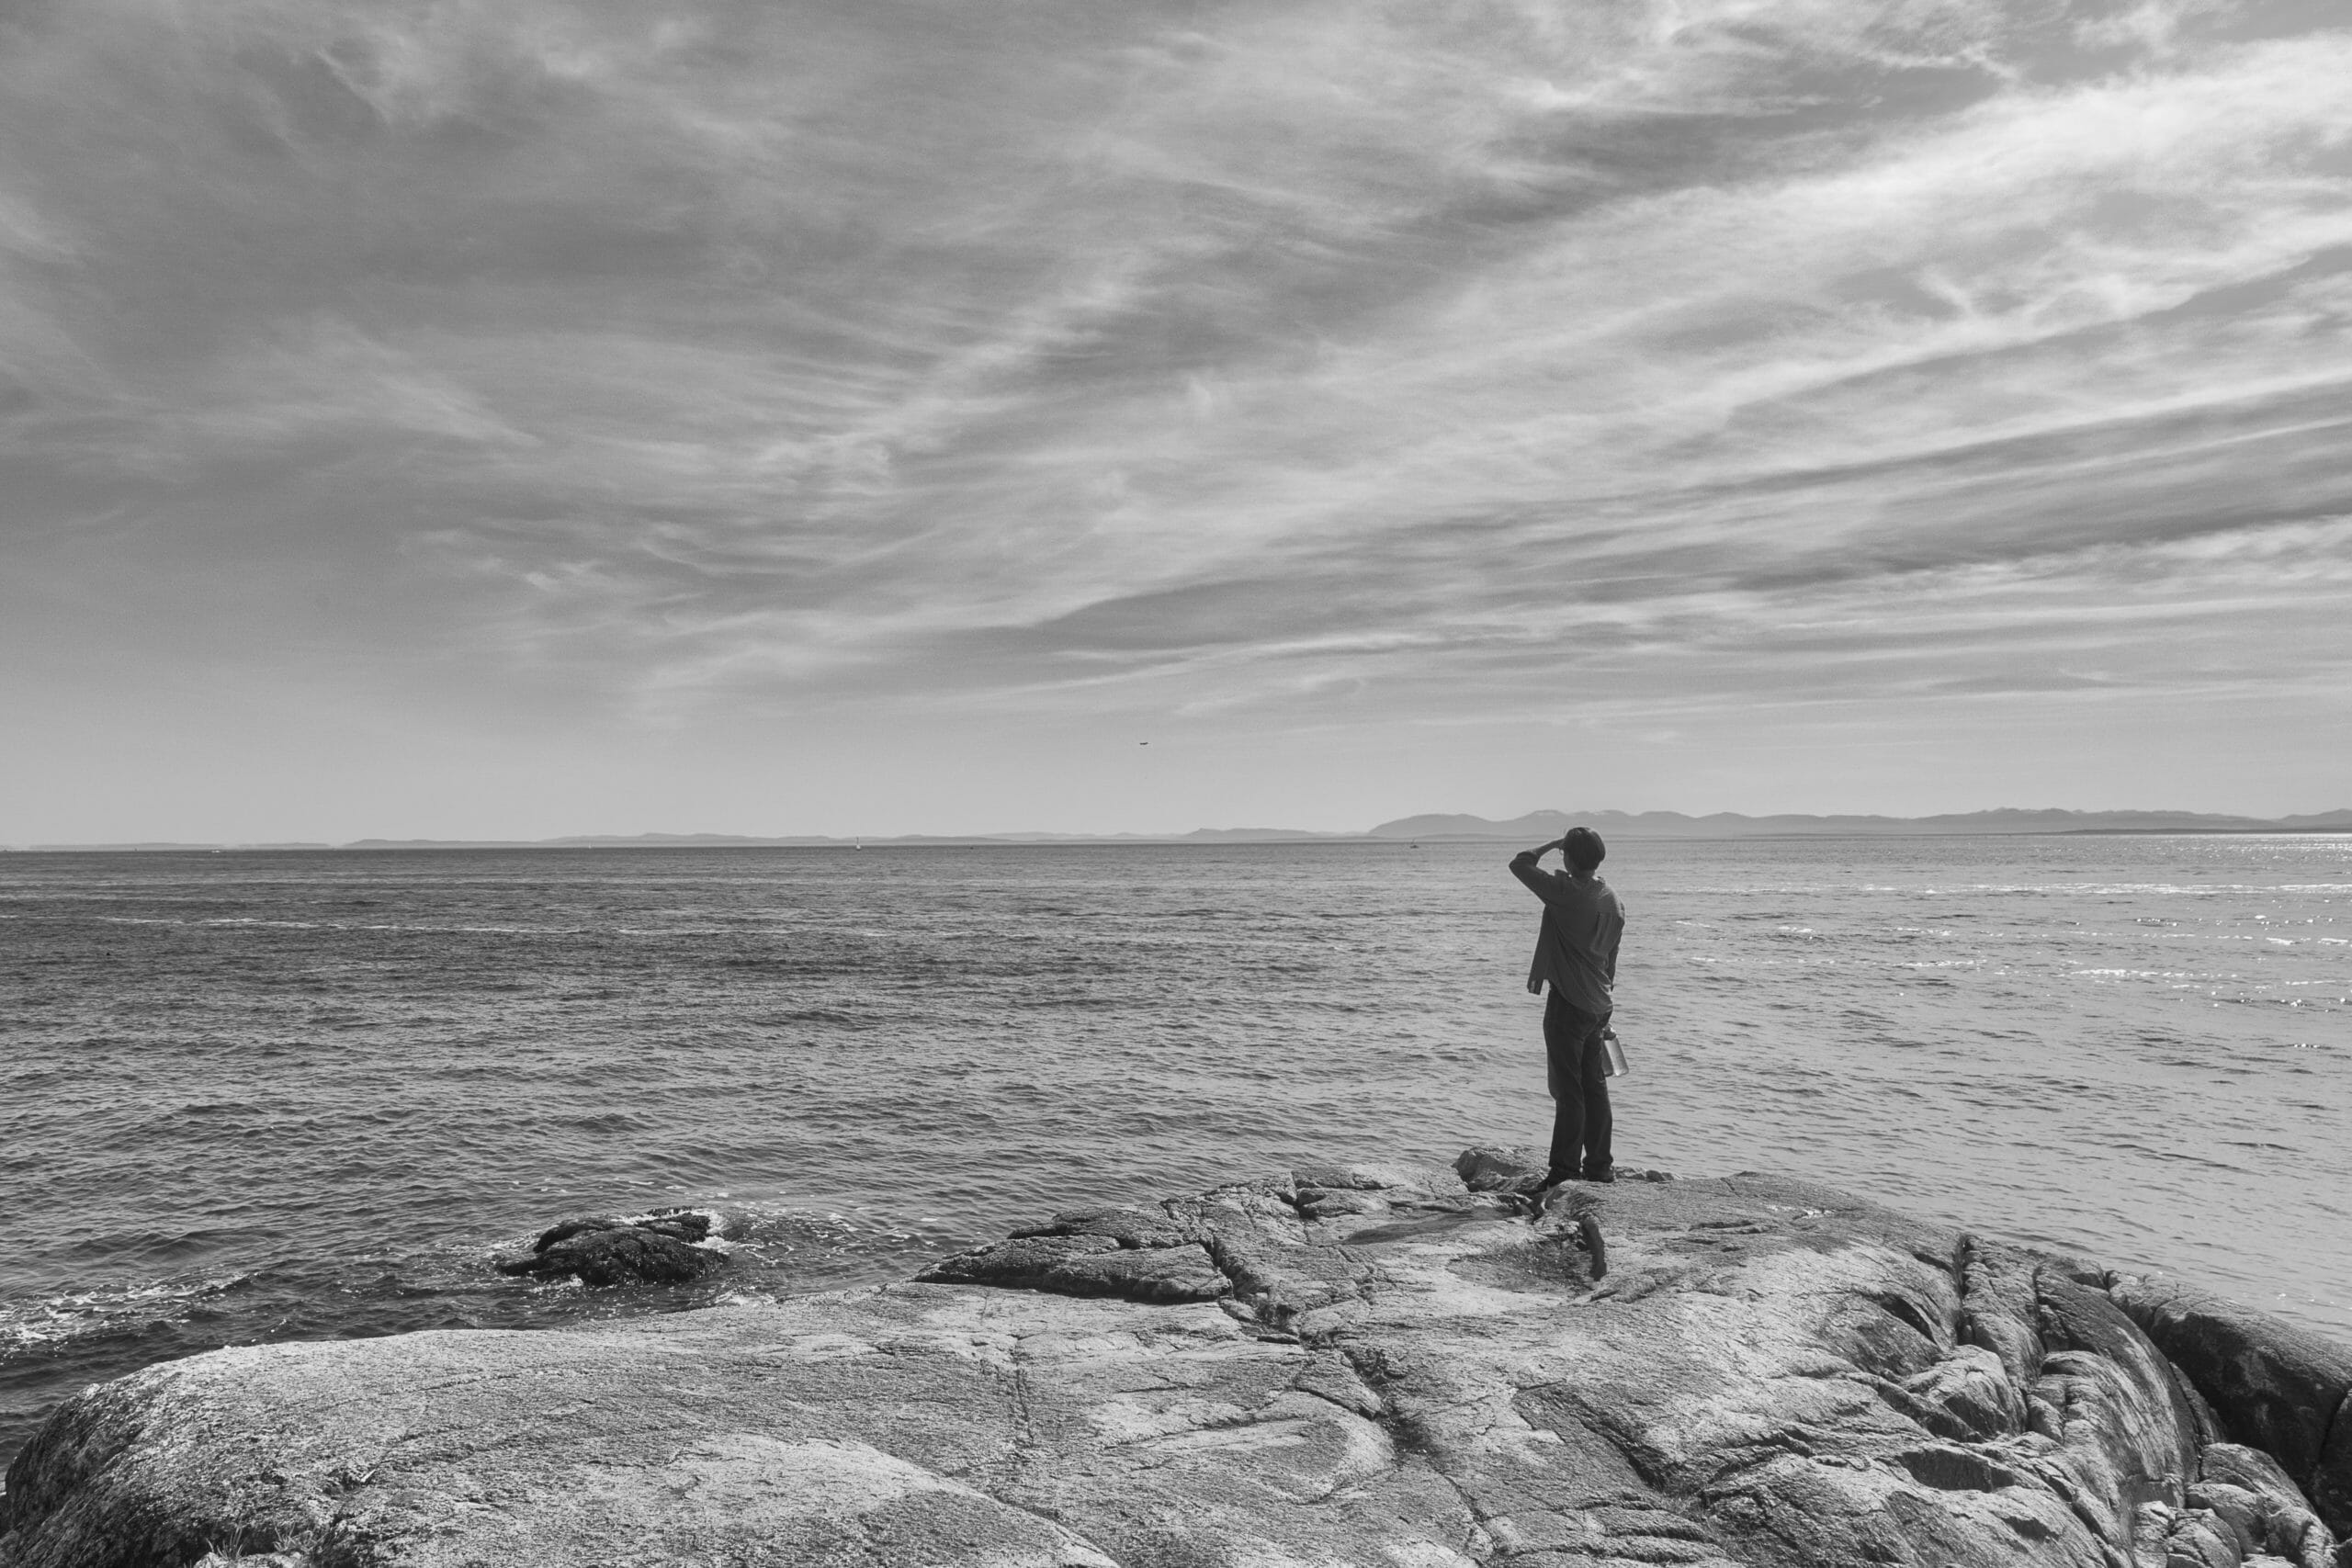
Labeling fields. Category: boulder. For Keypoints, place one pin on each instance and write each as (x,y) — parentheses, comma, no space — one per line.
(2246,1486)
(1499,1170)
(665,1247)
(1769,1373)
(2270,1385)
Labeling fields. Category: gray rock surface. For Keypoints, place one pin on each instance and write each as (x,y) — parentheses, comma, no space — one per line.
(1373,1365)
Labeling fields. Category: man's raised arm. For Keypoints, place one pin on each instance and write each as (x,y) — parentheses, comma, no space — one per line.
(1539,881)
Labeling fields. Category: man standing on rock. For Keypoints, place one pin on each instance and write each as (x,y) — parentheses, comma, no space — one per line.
(1577,953)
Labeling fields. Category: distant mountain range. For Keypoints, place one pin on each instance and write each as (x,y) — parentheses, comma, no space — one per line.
(1531,829)
(1537,826)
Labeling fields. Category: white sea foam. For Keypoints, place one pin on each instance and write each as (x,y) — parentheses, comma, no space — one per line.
(67,1316)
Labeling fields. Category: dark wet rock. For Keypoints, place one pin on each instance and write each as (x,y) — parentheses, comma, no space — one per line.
(1352,1366)
(623,1256)
(678,1225)
(659,1248)
(579,1225)
(684,1225)
(2271,1385)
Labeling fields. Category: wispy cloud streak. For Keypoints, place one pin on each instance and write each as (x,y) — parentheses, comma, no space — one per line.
(1212,361)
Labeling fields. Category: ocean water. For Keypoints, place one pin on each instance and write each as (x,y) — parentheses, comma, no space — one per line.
(268,1096)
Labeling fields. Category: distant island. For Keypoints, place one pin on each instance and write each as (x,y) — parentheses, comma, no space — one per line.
(1434,827)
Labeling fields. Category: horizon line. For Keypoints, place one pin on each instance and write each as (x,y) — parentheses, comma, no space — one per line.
(2045,821)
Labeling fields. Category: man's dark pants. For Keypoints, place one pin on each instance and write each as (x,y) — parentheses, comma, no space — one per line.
(1576,1063)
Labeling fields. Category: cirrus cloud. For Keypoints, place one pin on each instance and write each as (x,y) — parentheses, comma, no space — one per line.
(1263,369)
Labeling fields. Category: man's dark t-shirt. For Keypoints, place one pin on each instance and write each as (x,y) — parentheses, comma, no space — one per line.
(1577,949)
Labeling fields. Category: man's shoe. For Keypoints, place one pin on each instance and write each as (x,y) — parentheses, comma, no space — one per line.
(1606,1173)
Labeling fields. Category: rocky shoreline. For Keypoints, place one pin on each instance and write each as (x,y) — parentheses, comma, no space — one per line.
(1368,1365)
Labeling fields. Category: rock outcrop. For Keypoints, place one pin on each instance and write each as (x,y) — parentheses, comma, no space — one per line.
(667,1247)
(2275,1387)
(1370,1365)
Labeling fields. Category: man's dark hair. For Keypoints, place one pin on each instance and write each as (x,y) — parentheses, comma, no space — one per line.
(1584,849)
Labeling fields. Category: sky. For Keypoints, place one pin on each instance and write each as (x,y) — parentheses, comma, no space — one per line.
(493,418)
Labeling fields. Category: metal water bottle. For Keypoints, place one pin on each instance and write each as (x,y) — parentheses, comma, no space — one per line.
(1616,1066)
